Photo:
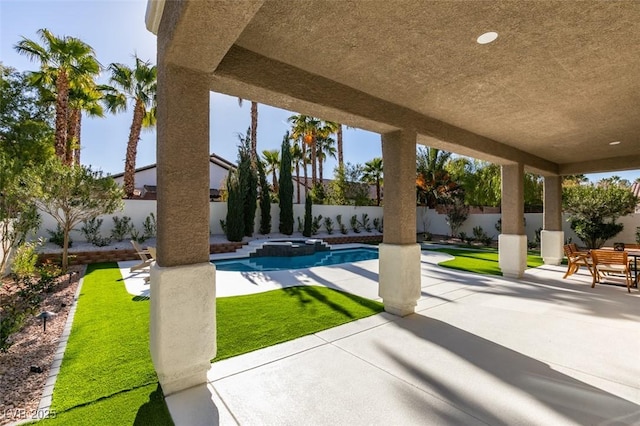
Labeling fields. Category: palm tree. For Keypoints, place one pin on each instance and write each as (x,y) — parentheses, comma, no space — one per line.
(80,99)
(272,165)
(325,148)
(64,62)
(337,129)
(138,85)
(432,179)
(372,174)
(254,129)
(306,128)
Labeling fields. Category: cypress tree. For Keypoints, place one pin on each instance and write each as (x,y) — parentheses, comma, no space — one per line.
(265,201)
(248,184)
(235,212)
(308,218)
(286,188)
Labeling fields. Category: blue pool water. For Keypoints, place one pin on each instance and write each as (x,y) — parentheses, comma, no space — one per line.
(324,258)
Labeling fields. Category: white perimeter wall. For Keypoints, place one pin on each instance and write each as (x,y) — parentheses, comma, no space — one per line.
(426,220)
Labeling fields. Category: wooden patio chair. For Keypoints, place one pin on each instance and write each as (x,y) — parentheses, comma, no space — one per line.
(576,259)
(147,257)
(611,262)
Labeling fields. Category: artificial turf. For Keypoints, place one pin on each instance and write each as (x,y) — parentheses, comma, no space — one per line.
(483,261)
(107,376)
(247,323)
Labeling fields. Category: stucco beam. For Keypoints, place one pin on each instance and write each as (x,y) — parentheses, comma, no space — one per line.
(186,35)
(252,70)
(611,164)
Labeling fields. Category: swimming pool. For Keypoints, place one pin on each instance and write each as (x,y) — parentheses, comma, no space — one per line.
(325,258)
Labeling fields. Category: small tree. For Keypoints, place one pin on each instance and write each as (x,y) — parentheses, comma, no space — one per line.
(74,194)
(457,213)
(286,188)
(594,209)
(308,217)
(248,180)
(265,201)
(235,209)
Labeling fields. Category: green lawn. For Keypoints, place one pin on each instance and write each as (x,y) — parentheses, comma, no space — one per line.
(480,261)
(107,376)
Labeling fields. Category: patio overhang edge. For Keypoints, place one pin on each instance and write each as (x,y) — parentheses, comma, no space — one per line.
(252,76)
(611,164)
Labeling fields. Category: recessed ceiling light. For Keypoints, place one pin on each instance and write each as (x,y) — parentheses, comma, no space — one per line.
(487,38)
(614,143)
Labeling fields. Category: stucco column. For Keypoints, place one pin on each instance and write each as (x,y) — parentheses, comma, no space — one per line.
(183,322)
(552,236)
(399,254)
(512,242)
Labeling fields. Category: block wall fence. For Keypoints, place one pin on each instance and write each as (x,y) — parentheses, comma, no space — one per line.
(427,220)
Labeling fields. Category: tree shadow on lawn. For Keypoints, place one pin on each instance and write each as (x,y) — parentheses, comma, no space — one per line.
(306,295)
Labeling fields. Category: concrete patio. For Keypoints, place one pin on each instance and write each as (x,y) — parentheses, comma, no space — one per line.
(478,350)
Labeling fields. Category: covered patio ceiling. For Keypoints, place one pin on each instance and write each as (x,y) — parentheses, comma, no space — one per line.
(559,84)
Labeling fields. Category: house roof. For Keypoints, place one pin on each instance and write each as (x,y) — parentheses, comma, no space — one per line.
(213,158)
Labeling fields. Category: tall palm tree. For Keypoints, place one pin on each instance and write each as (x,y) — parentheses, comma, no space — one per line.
(337,129)
(139,86)
(64,61)
(254,129)
(373,174)
(272,165)
(307,128)
(325,148)
(81,99)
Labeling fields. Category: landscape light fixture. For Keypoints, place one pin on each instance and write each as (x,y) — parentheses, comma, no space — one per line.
(487,38)
(44,316)
(614,143)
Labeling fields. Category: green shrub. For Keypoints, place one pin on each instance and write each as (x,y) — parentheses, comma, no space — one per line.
(355,225)
(300,225)
(57,236)
(328,225)
(343,228)
(316,224)
(25,259)
(48,273)
(149,226)
(121,227)
(137,236)
(365,223)
(377,223)
(11,320)
(91,231)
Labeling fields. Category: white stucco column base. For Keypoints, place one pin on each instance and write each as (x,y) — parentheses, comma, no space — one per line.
(551,243)
(399,277)
(512,254)
(183,324)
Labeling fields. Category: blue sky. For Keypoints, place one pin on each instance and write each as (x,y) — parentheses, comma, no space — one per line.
(116,29)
